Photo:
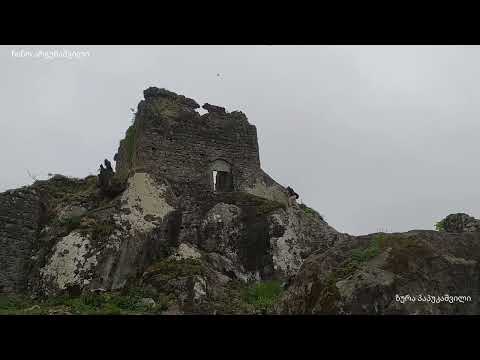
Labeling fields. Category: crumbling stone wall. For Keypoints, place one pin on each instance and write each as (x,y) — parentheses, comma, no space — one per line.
(20,212)
(173,141)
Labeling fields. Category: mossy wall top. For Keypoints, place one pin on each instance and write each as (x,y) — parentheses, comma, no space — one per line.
(173,141)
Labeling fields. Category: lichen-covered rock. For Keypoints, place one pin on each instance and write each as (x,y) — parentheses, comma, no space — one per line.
(70,211)
(144,204)
(147,302)
(295,234)
(418,272)
(71,262)
(458,223)
(186,251)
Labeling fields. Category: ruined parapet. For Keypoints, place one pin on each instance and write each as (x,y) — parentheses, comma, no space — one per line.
(20,213)
(171,141)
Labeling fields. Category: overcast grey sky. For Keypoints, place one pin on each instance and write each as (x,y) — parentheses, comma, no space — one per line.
(373,137)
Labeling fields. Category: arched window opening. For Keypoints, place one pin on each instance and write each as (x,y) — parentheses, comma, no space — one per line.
(221,175)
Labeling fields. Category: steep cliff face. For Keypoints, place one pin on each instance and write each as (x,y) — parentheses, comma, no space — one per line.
(189,215)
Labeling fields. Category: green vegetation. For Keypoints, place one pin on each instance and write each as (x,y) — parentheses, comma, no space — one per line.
(87,225)
(101,231)
(253,298)
(165,107)
(87,304)
(268,206)
(130,142)
(326,293)
(263,295)
(239,298)
(97,230)
(363,255)
(242,199)
(63,188)
(169,269)
(440,226)
(310,211)
(71,223)
(402,250)
(127,146)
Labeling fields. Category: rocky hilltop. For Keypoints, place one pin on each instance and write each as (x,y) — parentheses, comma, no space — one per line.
(189,223)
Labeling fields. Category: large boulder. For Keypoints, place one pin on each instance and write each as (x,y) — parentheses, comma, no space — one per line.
(418,272)
(458,223)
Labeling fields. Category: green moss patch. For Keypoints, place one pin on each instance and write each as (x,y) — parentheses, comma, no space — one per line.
(261,205)
(263,296)
(240,298)
(71,224)
(87,225)
(62,187)
(130,143)
(87,304)
(166,108)
(404,250)
(363,255)
(169,269)
(97,230)
(440,226)
(310,211)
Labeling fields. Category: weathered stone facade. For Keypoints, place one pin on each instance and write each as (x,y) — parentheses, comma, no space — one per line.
(174,143)
(20,213)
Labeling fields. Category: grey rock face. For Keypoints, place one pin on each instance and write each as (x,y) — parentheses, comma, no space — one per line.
(20,216)
(295,234)
(147,302)
(71,211)
(418,272)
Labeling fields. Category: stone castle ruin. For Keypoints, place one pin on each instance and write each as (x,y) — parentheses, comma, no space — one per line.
(184,185)
(216,151)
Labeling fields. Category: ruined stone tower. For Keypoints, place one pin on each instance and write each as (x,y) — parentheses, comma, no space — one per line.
(217,151)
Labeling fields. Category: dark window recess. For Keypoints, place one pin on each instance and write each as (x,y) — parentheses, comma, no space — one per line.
(223,181)
(221,176)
